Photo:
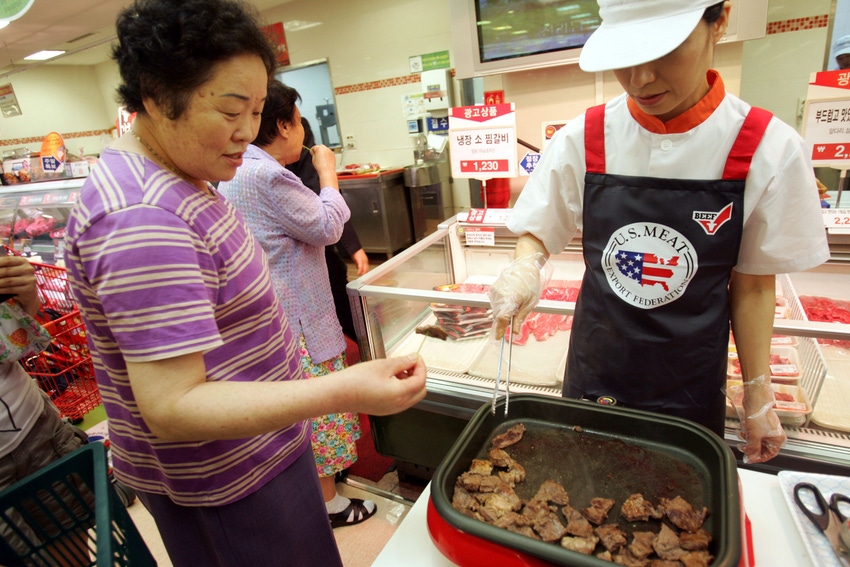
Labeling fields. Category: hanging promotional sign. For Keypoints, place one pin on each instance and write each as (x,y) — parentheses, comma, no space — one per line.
(13,9)
(826,119)
(277,36)
(483,141)
(53,153)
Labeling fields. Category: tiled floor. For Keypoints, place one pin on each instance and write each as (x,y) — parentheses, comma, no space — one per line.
(358,545)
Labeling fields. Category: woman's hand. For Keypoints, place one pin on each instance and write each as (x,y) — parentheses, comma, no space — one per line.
(324,160)
(17,277)
(361,260)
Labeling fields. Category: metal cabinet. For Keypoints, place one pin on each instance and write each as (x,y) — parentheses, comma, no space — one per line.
(380,210)
(399,295)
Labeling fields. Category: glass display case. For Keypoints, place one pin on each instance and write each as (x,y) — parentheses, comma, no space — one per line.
(33,216)
(432,299)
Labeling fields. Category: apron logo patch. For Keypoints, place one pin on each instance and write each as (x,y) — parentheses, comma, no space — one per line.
(649,265)
(710,222)
(606,401)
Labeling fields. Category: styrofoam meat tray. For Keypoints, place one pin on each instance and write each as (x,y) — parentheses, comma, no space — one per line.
(536,363)
(818,546)
(447,355)
(831,407)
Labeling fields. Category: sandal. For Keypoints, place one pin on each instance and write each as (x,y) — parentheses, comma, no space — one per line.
(355,513)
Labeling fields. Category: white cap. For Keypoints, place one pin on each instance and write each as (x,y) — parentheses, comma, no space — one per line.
(634,32)
(842,46)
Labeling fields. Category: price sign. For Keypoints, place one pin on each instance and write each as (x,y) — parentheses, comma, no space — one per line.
(837,218)
(827,132)
(480,236)
(483,141)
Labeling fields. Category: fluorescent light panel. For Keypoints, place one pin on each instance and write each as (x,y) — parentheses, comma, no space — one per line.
(43,55)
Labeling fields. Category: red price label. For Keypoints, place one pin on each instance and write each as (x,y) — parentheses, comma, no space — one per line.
(484,166)
(836,218)
(830,152)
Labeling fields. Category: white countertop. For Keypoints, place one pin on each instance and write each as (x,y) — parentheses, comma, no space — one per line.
(775,537)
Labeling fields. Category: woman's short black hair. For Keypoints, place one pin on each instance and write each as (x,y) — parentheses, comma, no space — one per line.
(279,107)
(712,13)
(168,48)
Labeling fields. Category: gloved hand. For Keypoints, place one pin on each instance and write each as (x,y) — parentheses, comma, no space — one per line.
(760,425)
(517,291)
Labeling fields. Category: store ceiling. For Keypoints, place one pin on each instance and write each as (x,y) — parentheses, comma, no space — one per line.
(84,29)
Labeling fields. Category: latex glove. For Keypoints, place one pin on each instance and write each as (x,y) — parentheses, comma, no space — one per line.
(516,291)
(760,425)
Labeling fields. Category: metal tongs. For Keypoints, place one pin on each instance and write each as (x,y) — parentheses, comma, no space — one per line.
(499,369)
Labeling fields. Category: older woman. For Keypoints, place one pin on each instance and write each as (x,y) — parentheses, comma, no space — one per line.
(293,225)
(198,367)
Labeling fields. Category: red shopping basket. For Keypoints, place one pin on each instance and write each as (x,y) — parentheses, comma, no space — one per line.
(64,369)
(53,288)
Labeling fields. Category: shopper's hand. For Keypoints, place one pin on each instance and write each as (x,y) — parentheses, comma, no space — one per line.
(17,277)
(760,425)
(361,260)
(324,160)
(388,385)
(516,292)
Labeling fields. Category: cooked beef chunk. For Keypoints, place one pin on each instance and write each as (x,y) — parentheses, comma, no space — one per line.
(625,557)
(598,510)
(605,555)
(641,545)
(524,530)
(514,475)
(550,528)
(481,466)
(637,508)
(577,525)
(551,491)
(499,503)
(463,500)
(696,559)
(510,437)
(584,545)
(696,541)
(664,563)
(667,544)
(682,514)
(611,536)
(500,458)
(478,483)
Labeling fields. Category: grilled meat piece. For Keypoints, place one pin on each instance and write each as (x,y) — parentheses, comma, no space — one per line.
(696,559)
(598,510)
(696,541)
(463,500)
(584,545)
(682,514)
(534,510)
(637,508)
(605,555)
(625,557)
(577,525)
(481,466)
(611,536)
(510,437)
(514,475)
(664,563)
(551,491)
(641,546)
(550,528)
(666,545)
(500,458)
(432,331)
(524,530)
(509,519)
(478,483)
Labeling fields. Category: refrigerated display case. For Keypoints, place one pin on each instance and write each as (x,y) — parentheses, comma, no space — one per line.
(441,281)
(33,216)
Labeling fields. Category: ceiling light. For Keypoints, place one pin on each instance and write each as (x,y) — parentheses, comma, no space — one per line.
(43,55)
(299,25)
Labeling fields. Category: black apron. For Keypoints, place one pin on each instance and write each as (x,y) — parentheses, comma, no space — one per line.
(651,326)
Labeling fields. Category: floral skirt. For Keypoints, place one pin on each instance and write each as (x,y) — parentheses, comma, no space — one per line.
(334,435)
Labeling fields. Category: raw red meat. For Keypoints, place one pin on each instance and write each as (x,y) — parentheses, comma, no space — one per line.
(829,310)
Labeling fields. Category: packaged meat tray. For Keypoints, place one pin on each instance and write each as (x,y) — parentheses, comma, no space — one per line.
(828,310)
(785,365)
(792,403)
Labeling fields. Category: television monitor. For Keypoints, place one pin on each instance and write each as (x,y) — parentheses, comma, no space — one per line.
(500,36)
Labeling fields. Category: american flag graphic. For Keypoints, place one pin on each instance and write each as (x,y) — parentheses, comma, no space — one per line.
(648,269)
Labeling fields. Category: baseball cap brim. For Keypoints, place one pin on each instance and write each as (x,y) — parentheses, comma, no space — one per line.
(620,46)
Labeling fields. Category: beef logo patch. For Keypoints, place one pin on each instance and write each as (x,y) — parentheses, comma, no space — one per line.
(711,222)
(649,265)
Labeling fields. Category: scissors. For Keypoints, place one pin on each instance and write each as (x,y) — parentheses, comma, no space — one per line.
(828,519)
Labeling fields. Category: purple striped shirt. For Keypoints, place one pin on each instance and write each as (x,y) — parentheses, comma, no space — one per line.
(161,269)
